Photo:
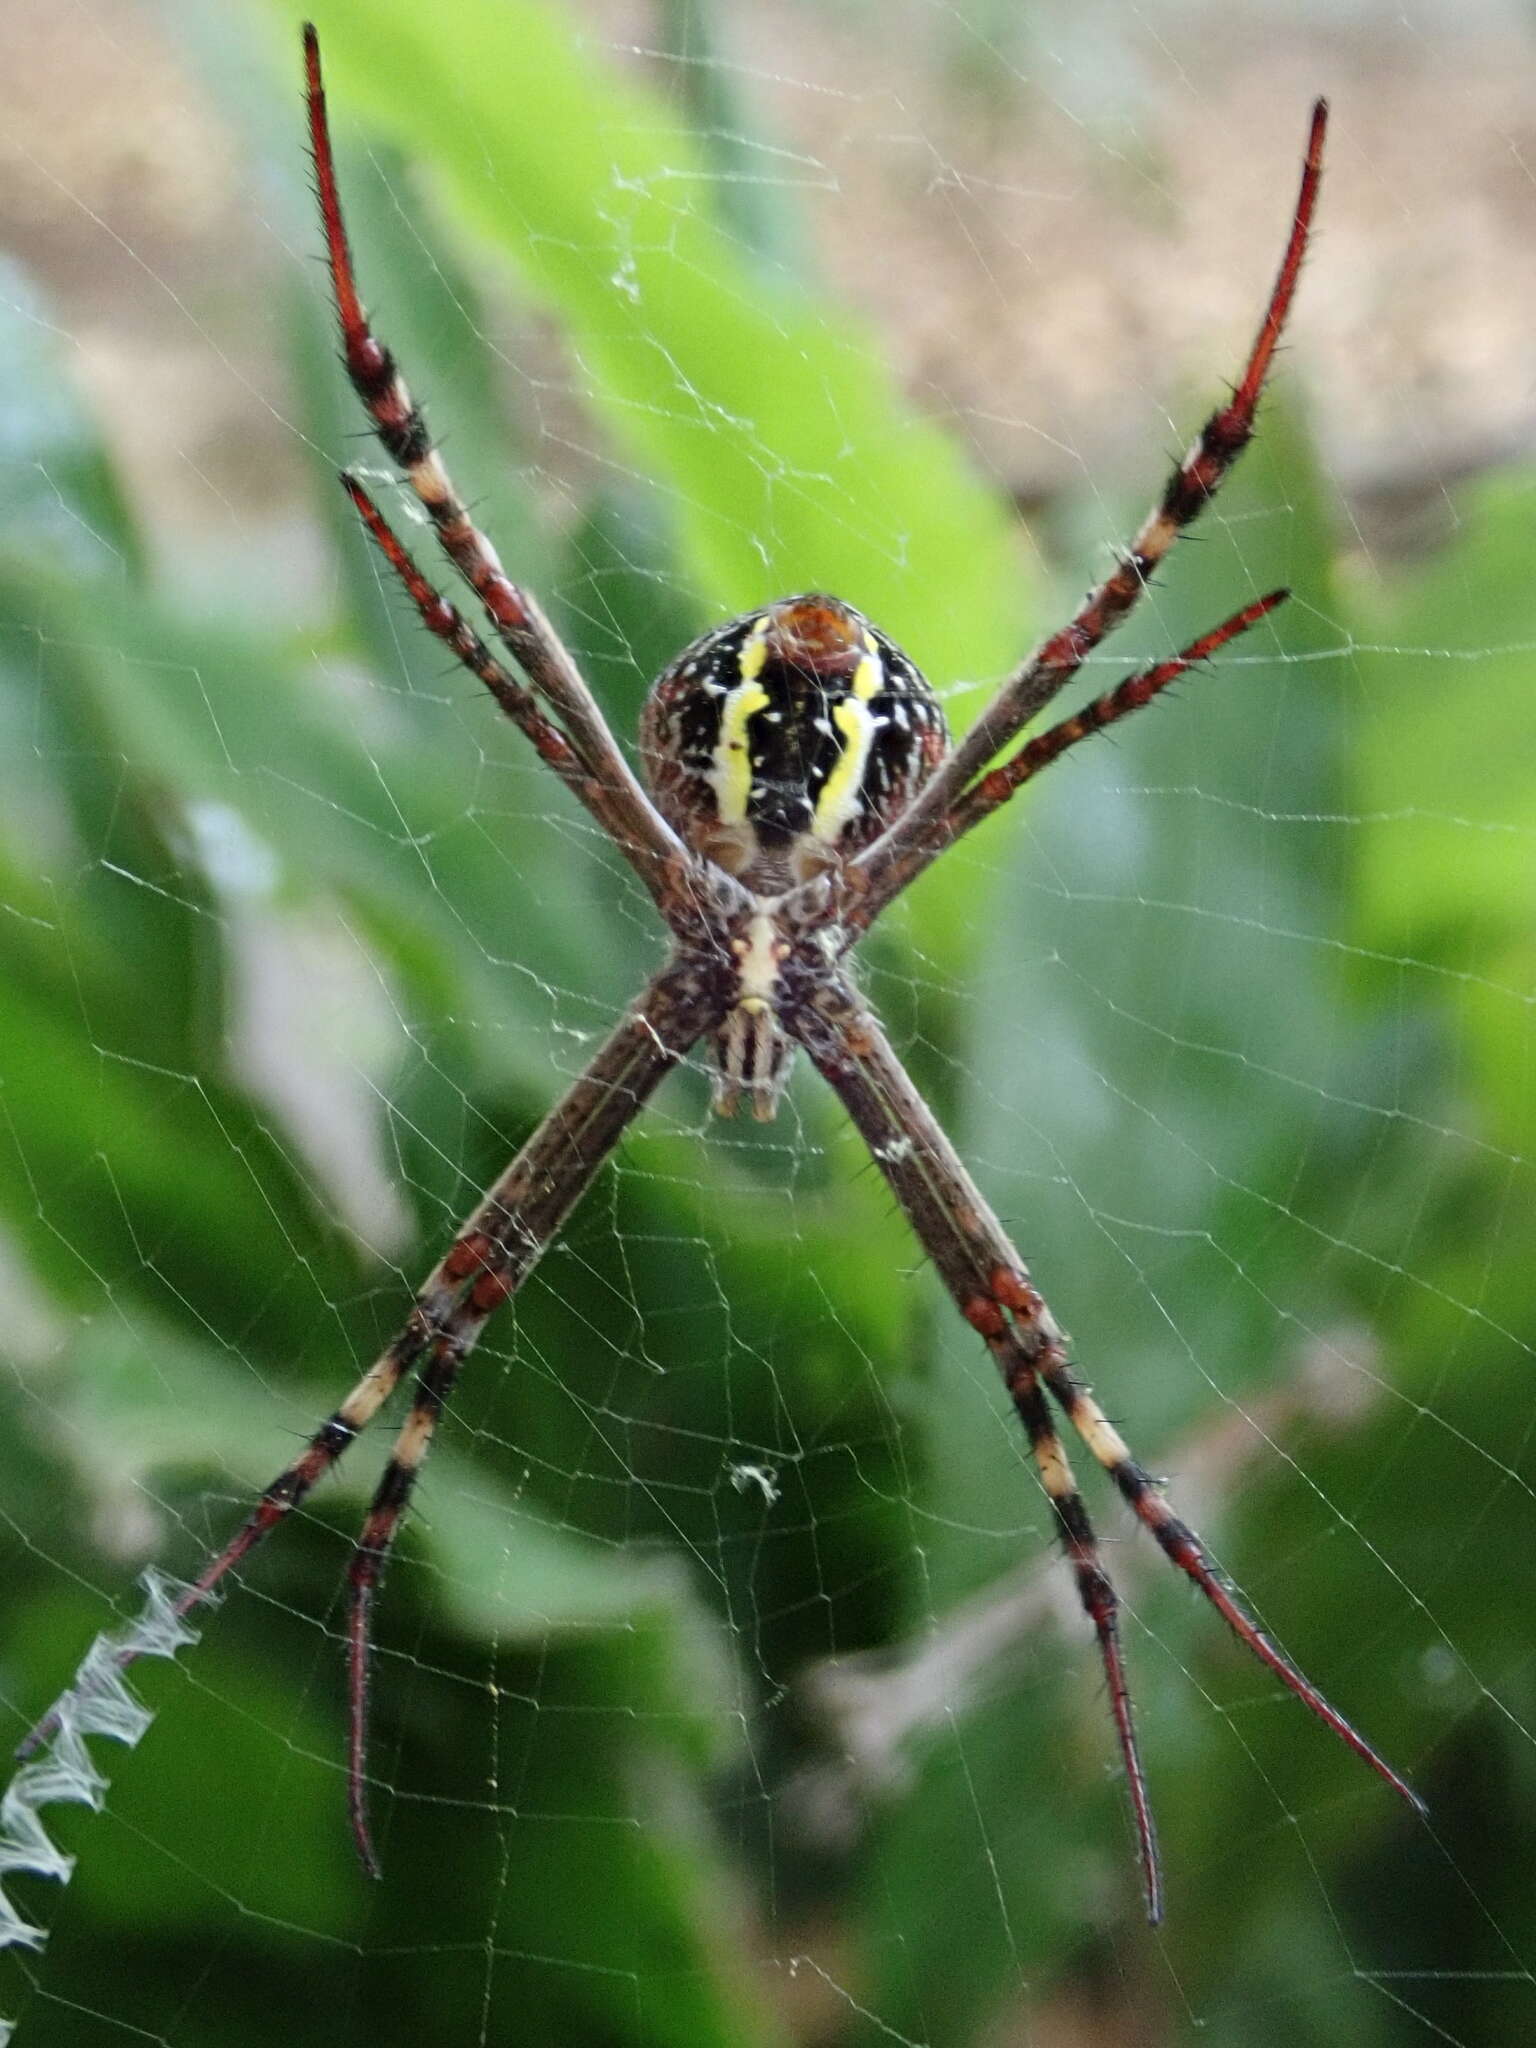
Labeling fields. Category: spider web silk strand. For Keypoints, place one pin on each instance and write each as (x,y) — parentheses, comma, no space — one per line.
(96,1702)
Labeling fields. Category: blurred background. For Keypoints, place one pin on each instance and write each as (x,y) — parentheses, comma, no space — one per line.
(728,1688)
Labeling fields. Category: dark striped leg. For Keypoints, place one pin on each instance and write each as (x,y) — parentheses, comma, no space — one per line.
(645,836)
(1094,1589)
(434,1384)
(491,1257)
(1000,783)
(988,1282)
(1177,1540)
(450,626)
(295,1481)
(922,832)
(520,704)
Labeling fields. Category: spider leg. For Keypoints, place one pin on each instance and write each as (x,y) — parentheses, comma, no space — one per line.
(646,837)
(988,1283)
(1095,1590)
(494,1252)
(325,1447)
(1000,783)
(519,703)
(921,833)
(434,1384)
(1177,1540)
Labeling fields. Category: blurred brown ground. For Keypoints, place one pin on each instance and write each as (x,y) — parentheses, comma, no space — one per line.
(1063,244)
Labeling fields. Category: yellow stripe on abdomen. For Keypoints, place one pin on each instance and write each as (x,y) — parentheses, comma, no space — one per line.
(731,775)
(840,793)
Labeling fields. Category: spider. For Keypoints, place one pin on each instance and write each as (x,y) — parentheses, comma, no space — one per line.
(798,777)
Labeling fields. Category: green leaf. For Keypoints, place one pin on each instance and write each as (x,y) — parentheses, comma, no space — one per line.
(763,415)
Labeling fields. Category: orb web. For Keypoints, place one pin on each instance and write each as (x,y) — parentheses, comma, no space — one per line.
(728,1684)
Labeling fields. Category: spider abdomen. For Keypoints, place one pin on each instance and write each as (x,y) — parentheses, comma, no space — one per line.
(788,738)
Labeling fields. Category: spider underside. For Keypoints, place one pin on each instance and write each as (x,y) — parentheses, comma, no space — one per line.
(800,777)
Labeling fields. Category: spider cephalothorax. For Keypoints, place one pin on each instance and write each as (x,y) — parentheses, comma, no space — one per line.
(801,781)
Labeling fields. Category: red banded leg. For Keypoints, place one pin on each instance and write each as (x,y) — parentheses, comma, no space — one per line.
(493,1254)
(438,1307)
(922,831)
(1002,782)
(945,1210)
(508,1234)
(397,420)
(449,625)
(444,620)
(1177,1540)
(283,1494)
(986,1278)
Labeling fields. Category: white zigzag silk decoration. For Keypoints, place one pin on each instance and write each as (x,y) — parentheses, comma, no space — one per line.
(97,1702)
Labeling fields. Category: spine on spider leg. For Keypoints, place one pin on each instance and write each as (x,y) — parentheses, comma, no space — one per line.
(1134,694)
(96,1702)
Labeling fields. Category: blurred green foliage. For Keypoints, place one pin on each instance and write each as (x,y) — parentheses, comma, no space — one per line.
(1234,1017)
